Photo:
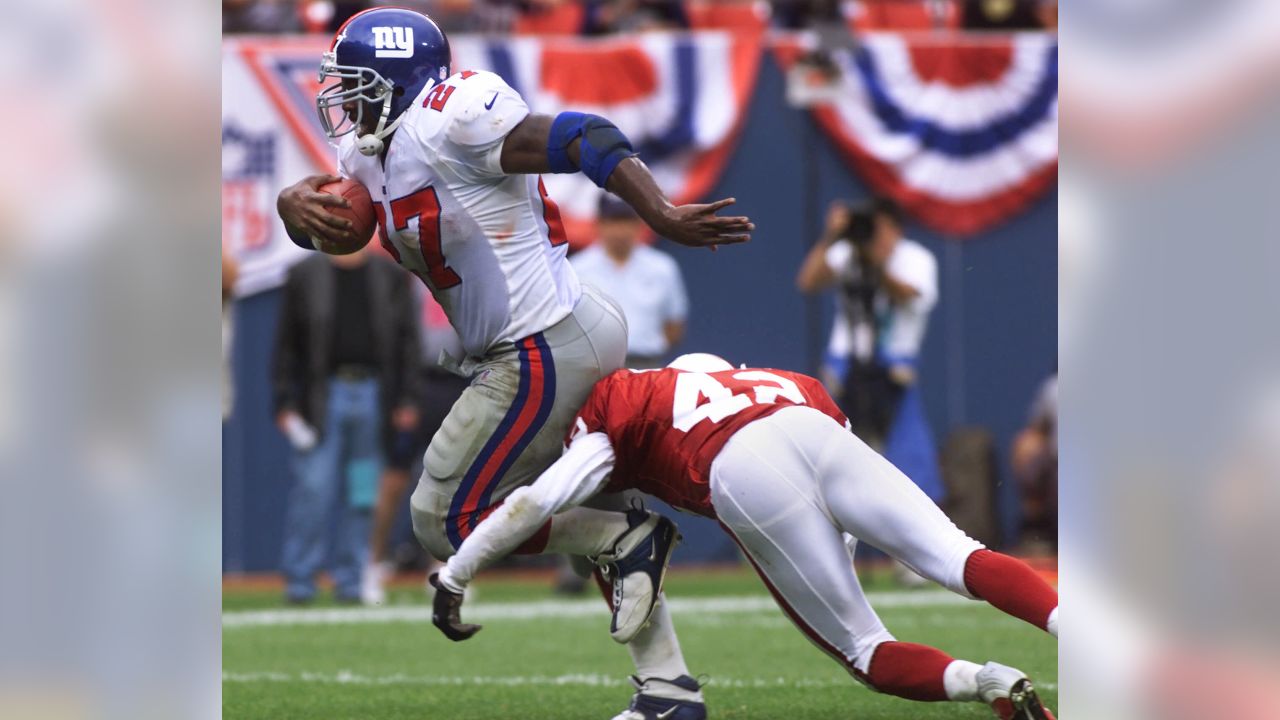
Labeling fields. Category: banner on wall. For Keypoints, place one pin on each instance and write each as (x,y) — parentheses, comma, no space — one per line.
(681,98)
(260,155)
(962,133)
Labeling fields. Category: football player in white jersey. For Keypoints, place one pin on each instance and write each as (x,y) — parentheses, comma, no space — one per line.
(451,161)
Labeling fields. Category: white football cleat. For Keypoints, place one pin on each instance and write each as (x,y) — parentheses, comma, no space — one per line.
(1010,693)
(636,568)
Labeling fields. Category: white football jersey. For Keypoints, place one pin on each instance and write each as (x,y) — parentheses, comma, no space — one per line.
(489,246)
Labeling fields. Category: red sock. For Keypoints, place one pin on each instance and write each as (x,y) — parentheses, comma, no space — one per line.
(909,671)
(1010,585)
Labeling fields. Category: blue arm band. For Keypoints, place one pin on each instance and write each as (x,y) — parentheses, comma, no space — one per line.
(603,146)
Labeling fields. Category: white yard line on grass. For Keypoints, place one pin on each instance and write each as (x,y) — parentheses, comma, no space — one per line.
(346,677)
(553,609)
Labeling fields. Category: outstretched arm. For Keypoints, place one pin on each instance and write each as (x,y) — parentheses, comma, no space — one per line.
(576,476)
(570,481)
(537,145)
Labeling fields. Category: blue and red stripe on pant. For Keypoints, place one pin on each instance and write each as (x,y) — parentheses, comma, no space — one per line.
(473,500)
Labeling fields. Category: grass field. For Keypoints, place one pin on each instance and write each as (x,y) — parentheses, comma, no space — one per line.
(542,657)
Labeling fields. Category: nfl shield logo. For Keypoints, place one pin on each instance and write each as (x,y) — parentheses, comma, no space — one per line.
(248,188)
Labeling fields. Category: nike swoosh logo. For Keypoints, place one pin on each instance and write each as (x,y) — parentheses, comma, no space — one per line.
(668,713)
(492,100)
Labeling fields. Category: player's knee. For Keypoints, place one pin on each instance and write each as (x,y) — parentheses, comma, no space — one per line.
(431,536)
(429,524)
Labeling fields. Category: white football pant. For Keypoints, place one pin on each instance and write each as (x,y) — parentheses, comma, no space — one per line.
(789,486)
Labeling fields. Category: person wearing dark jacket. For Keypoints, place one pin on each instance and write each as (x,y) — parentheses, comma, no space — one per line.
(344,378)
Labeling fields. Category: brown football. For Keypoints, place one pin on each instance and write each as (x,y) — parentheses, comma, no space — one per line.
(360,214)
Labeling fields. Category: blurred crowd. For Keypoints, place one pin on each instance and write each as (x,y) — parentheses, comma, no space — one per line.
(603,17)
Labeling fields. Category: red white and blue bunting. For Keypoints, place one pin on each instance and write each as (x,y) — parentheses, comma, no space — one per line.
(962,133)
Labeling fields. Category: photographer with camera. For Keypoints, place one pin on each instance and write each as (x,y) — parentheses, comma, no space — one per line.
(887,285)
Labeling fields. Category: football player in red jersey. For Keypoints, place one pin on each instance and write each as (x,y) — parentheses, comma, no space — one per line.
(769,455)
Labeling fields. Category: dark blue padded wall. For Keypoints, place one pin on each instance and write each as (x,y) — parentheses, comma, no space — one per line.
(992,338)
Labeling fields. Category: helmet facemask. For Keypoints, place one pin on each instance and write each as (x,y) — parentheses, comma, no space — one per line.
(368,89)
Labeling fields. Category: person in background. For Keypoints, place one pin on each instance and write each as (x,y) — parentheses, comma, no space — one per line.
(473,16)
(259,16)
(439,390)
(1035,466)
(605,17)
(644,281)
(887,286)
(1008,14)
(343,378)
(230,271)
(806,14)
(835,360)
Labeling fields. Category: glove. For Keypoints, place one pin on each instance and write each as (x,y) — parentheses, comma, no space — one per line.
(446,613)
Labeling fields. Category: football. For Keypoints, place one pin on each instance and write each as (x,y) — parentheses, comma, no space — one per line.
(360,214)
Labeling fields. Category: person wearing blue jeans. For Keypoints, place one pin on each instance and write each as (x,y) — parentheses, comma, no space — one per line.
(342,468)
(344,379)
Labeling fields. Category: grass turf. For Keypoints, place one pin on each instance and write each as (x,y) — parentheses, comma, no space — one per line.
(759,666)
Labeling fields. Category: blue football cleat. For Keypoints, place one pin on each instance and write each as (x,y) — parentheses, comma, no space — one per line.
(686,703)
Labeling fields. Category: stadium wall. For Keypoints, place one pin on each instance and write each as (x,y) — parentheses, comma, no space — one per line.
(992,339)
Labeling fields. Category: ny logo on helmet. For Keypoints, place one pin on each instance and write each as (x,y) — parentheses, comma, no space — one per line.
(393,42)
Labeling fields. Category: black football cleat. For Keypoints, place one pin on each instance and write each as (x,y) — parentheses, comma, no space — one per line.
(446,612)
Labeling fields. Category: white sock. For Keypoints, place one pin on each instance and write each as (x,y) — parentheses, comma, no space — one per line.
(961,681)
(656,654)
(585,531)
(1053,623)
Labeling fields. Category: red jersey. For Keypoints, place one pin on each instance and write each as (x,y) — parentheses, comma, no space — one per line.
(667,426)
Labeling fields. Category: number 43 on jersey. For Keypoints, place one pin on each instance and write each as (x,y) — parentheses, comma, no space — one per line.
(699,396)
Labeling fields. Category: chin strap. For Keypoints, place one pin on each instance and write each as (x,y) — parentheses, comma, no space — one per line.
(372,144)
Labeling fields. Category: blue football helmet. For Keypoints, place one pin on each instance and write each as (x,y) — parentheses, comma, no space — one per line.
(380,60)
